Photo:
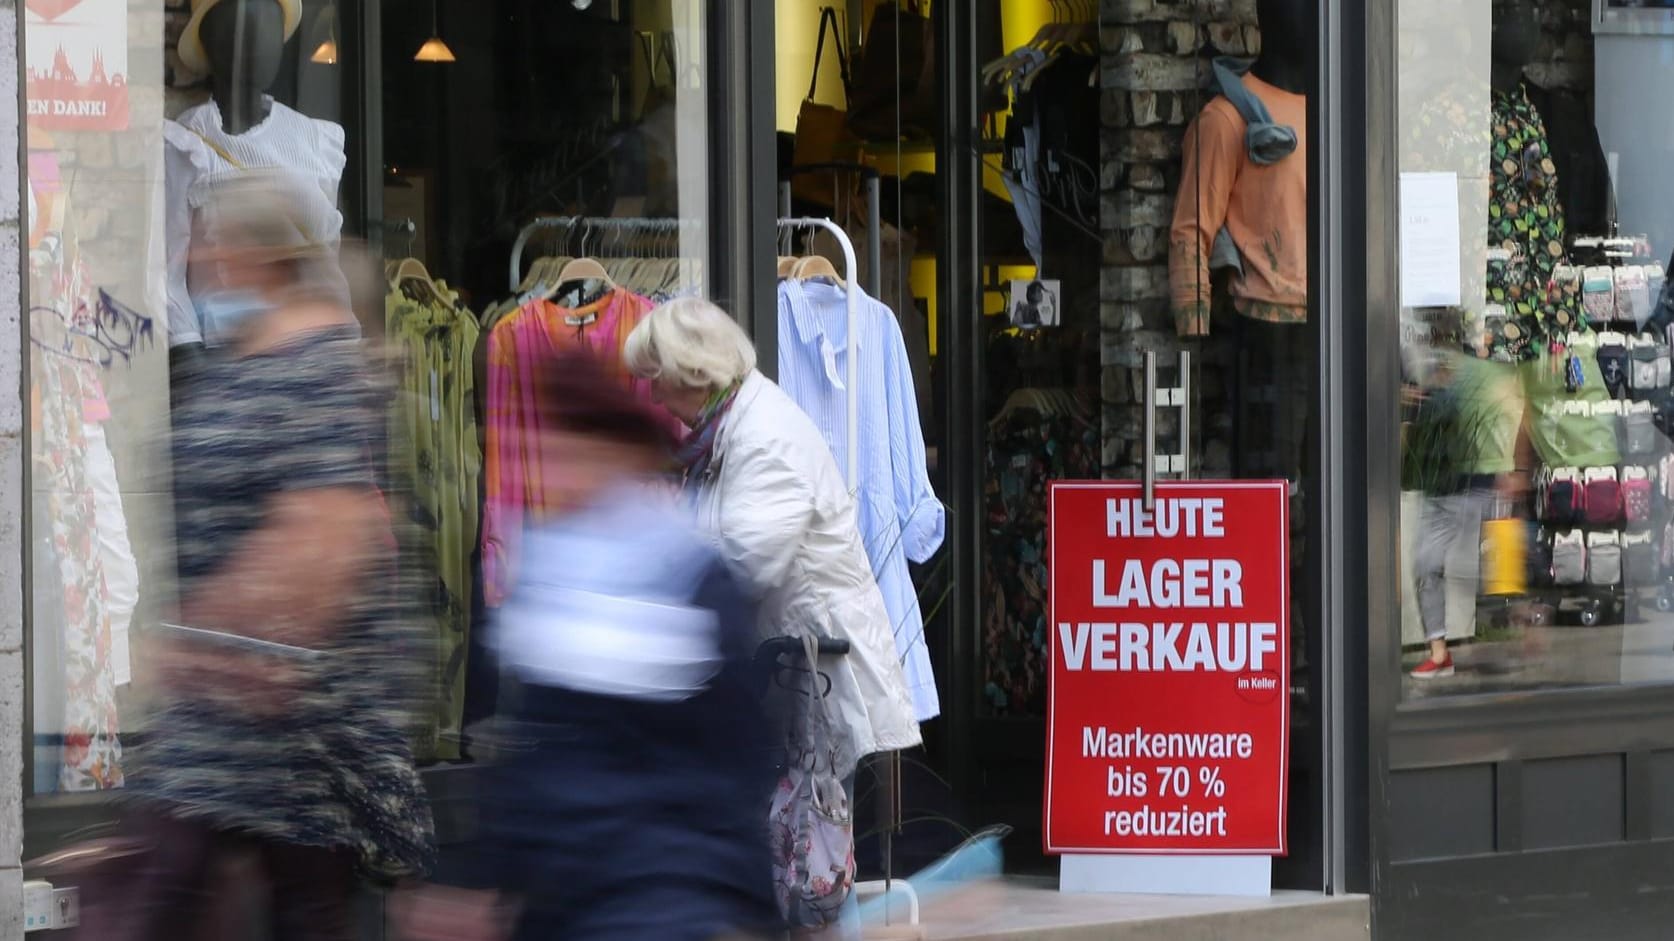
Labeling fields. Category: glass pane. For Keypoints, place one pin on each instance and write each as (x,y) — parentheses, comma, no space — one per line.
(518,139)
(1039,324)
(489,121)
(1535,396)
(120,130)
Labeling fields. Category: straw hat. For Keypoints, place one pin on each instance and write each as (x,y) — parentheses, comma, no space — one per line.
(192,53)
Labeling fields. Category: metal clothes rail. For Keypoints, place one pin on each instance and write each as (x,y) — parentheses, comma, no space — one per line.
(591,227)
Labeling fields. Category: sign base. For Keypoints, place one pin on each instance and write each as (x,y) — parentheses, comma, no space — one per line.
(1250,876)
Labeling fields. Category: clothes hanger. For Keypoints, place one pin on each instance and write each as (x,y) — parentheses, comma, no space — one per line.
(816,266)
(787,264)
(411,269)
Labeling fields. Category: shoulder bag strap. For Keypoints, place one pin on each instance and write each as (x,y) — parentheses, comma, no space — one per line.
(828,20)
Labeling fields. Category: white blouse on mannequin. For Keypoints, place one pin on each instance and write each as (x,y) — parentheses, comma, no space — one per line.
(199,154)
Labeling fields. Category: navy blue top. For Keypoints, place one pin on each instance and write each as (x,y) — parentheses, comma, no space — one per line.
(631,800)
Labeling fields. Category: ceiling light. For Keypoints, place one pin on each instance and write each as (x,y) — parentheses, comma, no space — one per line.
(326,54)
(434,49)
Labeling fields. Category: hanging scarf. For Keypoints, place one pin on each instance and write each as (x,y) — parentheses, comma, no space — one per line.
(693,457)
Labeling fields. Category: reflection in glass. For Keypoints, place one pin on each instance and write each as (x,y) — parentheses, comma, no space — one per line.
(1536,510)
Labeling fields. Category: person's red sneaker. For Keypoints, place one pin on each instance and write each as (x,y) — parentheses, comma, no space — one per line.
(1430,669)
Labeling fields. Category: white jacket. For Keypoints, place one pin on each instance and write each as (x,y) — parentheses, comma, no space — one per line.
(785,519)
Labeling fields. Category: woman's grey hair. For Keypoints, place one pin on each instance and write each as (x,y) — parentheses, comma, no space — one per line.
(263,216)
(692,343)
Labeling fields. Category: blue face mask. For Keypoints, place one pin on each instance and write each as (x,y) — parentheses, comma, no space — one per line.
(224,314)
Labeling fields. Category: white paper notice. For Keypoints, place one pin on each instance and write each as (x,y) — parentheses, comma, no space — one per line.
(1430,240)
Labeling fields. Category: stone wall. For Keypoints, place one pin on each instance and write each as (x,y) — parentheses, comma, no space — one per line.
(12,501)
(1156,55)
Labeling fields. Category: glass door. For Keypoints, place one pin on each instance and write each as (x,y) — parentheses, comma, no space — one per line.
(1125,217)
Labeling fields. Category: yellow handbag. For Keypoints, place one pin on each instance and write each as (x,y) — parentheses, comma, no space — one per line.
(1505,555)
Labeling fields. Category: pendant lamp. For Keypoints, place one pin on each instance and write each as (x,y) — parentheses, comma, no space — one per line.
(326,52)
(434,49)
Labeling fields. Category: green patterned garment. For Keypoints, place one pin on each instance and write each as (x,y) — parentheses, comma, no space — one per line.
(436,463)
(1525,239)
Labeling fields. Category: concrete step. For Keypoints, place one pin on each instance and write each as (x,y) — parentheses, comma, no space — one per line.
(1034,910)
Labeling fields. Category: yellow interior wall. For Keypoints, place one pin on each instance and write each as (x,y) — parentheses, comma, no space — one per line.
(796,34)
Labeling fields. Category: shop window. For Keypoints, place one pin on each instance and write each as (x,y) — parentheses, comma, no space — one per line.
(1535,398)
(515,141)
(1125,212)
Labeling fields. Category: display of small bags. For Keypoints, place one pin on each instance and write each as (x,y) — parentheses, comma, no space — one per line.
(1655,281)
(1638,430)
(1604,559)
(1613,363)
(1604,496)
(1540,558)
(1598,294)
(1563,497)
(1633,296)
(1637,496)
(1639,558)
(1569,558)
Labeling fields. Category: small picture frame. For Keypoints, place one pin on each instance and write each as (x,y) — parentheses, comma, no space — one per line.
(1036,303)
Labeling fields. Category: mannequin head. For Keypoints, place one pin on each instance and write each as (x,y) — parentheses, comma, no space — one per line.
(1516,34)
(245,40)
(1286,38)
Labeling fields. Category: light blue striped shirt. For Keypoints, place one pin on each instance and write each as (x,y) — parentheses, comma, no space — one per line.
(900,516)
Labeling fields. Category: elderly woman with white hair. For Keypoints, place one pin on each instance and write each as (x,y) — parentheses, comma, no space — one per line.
(764,482)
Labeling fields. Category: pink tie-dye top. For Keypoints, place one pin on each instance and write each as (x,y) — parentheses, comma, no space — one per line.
(513,471)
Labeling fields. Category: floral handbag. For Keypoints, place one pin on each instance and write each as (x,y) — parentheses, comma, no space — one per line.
(810,827)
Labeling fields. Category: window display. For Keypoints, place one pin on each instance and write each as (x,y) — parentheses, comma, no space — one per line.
(1535,413)
(128,311)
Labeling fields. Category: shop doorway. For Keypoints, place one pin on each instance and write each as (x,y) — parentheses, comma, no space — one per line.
(1028,214)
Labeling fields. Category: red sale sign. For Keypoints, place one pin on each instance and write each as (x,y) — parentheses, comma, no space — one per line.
(1169,707)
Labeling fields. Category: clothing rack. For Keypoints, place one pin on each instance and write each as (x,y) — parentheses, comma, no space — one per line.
(889,885)
(874,210)
(851,473)
(592,227)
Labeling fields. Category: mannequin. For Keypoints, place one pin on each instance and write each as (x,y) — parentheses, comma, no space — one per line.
(245,42)
(1583,174)
(1529,229)
(239,45)
(1286,36)
(1238,253)
(1239,208)
(1239,241)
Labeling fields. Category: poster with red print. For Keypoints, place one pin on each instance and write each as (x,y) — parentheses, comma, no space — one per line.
(77,64)
(1168,712)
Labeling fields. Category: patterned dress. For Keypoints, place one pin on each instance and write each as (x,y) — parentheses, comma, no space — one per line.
(64,376)
(1525,314)
(437,468)
(334,770)
(1028,451)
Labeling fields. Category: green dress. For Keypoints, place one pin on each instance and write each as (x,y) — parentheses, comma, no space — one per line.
(437,465)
